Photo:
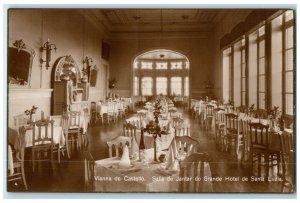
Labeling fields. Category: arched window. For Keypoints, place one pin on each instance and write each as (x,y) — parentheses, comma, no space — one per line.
(161,72)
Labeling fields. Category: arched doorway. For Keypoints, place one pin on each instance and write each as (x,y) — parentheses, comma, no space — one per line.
(161,72)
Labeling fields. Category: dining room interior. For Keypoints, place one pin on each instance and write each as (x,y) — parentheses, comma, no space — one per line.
(164,100)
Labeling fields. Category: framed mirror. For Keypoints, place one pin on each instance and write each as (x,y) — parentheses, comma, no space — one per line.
(19,63)
(67,69)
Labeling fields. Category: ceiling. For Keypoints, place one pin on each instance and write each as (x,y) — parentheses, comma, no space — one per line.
(159,20)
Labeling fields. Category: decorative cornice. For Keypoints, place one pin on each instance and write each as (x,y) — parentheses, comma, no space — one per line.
(169,35)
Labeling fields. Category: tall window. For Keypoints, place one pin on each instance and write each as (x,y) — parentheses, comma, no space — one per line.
(186,86)
(147,86)
(161,85)
(155,75)
(237,64)
(176,86)
(136,86)
(227,74)
(261,68)
(243,73)
(289,63)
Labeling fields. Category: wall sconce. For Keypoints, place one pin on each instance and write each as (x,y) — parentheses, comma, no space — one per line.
(48,47)
(87,64)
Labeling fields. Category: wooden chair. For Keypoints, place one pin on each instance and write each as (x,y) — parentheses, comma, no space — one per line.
(233,133)
(74,131)
(17,156)
(42,142)
(117,143)
(121,109)
(186,145)
(89,165)
(219,115)
(93,113)
(259,148)
(209,115)
(59,121)
(195,168)
(288,161)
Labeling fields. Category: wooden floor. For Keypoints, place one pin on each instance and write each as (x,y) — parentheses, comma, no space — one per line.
(68,176)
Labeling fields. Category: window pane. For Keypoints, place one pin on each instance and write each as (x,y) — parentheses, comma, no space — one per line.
(289,15)
(136,86)
(261,66)
(289,104)
(243,98)
(162,65)
(186,86)
(261,100)
(289,59)
(176,65)
(243,70)
(289,37)
(261,31)
(289,82)
(147,85)
(187,65)
(135,64)
(176,86)
(146,65)
(262,83)
(261,48)
(161,85)
(243,84)
(243,56)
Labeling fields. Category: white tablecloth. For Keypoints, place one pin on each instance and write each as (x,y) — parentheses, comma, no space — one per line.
(139,178)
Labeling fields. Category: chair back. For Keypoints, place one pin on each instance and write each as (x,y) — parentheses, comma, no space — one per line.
(73,119)
(287,151)
(20,120)
(219,115)
(209,110)
(182,130)
(42,133)
(117,143)
(89,165)
(195,167)
(57,120)
(186,145)
(259,135)
(232,122)
(129,130)
(177,122)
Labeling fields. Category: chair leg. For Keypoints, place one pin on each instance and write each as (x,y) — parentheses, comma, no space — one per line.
(23,176)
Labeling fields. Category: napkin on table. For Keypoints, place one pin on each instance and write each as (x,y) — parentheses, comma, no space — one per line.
(125,160)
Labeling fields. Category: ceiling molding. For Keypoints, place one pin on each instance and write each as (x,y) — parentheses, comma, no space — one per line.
(155,35)
(95,21)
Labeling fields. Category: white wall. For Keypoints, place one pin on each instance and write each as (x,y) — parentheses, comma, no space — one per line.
(73,35)
(197,48)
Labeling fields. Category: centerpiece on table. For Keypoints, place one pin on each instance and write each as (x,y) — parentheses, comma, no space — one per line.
(153,127)
(275,117)
(30,112)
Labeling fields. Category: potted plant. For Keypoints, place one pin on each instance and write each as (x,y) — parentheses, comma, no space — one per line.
(112,82)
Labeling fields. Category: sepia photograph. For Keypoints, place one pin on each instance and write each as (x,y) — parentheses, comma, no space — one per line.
(151,100)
